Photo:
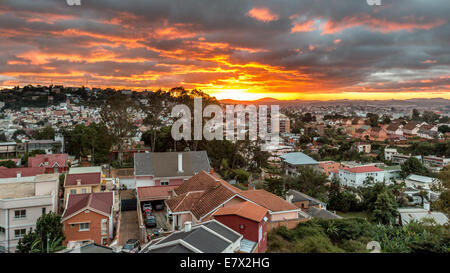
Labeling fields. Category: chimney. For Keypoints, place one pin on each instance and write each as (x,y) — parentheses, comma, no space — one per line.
(187,226)
(180,162)
(78,182)
(426,206)
(211,170)
(289,198)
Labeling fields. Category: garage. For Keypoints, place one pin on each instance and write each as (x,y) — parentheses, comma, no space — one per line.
(154,195)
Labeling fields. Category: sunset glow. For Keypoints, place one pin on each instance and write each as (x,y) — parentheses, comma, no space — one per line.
(231,49)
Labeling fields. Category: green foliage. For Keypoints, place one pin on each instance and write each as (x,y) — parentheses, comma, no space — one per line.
(45,133)
(242,176)
(275,186)
(353,234)
(47,225)
(309,181)
(385,208)
(341,199)
(93,140)
(8,164)
(412,166)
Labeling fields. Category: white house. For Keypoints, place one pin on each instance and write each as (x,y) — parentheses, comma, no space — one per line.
(356,176)
(389,152)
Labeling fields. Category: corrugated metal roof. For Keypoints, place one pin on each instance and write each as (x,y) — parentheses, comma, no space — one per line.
(298,158)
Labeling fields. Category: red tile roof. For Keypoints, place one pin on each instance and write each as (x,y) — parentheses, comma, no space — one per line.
(363,169)
(245,209)
(154,192)
(101,202)
(183,202)
(40,160)
(85,178)
(268,200)
(12,172)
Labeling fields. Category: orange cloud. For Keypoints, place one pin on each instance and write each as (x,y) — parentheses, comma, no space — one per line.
(303,26)
(262,14)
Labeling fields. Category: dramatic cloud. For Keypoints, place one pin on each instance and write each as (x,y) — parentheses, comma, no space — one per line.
(243,49)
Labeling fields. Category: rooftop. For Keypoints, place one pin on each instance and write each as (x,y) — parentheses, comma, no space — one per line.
(100,202)
(78,170)
(268,200)
(363,169)
(245,209)
(84,178)
(166,164)
(420,178)
(298,158)
(208,237)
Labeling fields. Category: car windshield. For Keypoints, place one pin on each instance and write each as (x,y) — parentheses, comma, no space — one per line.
(128,246)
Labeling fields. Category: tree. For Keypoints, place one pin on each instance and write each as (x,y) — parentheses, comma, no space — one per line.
(309,181)
(48,226)
(373,119)
(117,113)
(444,129)
(443,203)
(3,137)
(341,199)
(8,164)
(429,116)
(412,166)
(157,111)
(385,208)
(275,186)
(93,140)
(415,115)
(45,133)
(241,176)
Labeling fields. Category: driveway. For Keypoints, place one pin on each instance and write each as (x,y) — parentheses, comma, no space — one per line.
(129,226)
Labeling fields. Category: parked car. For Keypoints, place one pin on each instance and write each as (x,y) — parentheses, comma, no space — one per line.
(150,221)
(159,206)
(131,246)
(147,206)
(147,213)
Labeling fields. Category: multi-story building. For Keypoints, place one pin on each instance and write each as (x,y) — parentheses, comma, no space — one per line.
(285,124)
(89,217)
(435,163)
(355,177)
(389,152)
(361,147)
(22,201)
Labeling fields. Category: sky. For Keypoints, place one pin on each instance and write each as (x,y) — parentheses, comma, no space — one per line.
(236,49)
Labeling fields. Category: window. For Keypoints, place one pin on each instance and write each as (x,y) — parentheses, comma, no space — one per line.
(2,230)
(104,228)
(43,211)
(18,214)
(84,226)
(83,191)
(19,233)
(73,191)
(164,183)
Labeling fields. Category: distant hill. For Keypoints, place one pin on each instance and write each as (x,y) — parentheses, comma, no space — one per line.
(270,101)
